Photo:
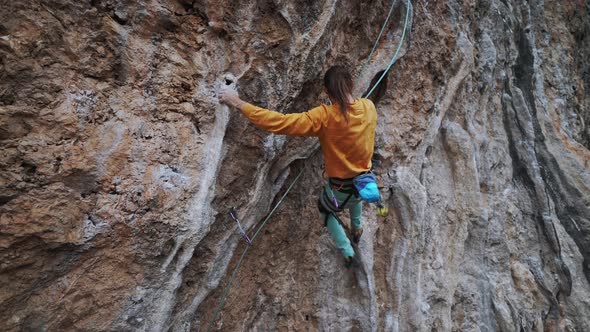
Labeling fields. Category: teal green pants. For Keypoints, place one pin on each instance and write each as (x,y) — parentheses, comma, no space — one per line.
(355,208)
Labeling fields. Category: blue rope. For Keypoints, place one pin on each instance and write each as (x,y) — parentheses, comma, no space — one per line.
(376,42)
(233,276)
(408,4)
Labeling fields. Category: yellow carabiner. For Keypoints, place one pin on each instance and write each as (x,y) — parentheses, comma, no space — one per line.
(382,210)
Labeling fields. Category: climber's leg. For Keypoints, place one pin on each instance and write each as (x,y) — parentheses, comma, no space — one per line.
(339,236)
(355,210)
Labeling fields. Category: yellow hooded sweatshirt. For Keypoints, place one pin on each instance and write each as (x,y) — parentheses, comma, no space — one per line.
(347,146)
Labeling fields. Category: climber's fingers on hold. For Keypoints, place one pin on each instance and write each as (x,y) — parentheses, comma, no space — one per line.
(227,95)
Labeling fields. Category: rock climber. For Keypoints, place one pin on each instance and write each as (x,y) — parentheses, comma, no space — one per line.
(346,130)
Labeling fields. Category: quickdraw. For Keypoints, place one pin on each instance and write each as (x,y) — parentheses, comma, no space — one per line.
(233,215)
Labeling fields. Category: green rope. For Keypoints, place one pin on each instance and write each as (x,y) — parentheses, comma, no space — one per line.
(376,42)
(231,280)
(234,273)
(408,5)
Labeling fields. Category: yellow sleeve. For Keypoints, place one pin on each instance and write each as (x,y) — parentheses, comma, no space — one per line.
(295,124)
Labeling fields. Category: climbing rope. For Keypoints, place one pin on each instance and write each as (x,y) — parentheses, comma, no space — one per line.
(408,5)
(231,280)
(250,243)
(376,41)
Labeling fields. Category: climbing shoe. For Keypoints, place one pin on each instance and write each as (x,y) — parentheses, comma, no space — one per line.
(348,261)
(355,234)
(352,262)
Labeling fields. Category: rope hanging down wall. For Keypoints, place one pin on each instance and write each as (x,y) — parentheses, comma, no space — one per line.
(251,242)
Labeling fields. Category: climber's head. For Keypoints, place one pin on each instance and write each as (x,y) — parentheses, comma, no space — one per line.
(338,84)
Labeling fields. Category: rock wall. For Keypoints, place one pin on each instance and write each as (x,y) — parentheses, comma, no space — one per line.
(118,166)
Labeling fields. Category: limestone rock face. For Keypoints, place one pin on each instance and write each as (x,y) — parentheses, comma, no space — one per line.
(118,166)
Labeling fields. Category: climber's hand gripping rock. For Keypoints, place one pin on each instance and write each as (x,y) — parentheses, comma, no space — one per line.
(229,96)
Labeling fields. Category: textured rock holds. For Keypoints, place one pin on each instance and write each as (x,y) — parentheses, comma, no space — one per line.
(118,166)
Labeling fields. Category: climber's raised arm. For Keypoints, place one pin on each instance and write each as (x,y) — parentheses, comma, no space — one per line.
(295,124)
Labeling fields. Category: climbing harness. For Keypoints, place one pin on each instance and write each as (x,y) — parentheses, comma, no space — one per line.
(231,280)
(327,202)
(363,185)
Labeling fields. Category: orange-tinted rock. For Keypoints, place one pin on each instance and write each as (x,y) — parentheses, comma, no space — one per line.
(118,166)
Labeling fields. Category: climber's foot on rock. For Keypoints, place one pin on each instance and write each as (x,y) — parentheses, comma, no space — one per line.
(356,234)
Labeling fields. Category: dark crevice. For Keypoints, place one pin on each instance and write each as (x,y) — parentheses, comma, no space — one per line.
(566,197)
(186,5)
(520,173)
(5,199)
(29,168)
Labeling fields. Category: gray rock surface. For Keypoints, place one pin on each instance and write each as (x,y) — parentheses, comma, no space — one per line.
(118,166)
